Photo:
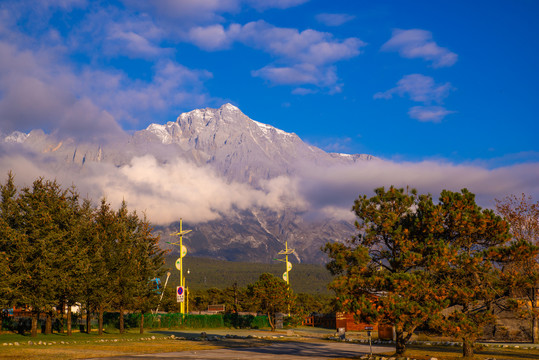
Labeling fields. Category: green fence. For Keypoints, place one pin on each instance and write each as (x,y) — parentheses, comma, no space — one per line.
(111,320)
(191,321)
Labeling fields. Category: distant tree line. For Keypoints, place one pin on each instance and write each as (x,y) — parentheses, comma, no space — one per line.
(239,299)
(268,295)
(446,264)
(57,250)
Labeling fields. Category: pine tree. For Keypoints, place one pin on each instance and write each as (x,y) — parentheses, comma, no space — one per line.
(75,249)
(271,295)
(45,226)
(9,237)
(384,273)
(148,263)
(99,288)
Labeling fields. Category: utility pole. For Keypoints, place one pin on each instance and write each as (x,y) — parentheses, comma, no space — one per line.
(286,278)
(179,265)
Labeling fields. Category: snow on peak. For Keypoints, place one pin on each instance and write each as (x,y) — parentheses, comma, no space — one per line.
(161,132)
(230,107)
(16,137)
(266,129)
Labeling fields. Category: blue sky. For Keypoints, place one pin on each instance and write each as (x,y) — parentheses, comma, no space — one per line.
(402,80)
(443,92)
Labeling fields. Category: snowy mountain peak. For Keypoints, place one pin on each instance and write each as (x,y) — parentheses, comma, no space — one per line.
(16,137)
(267,129)
(229,107)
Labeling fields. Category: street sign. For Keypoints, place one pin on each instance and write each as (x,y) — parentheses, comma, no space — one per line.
(178,264)
(288,265)
(180,296)
(285,276)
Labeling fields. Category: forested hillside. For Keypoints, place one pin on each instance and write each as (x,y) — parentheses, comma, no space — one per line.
(206,273)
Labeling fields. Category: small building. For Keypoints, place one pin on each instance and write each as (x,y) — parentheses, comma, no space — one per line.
(215,309)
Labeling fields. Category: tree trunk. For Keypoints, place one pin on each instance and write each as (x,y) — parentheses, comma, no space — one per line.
(48,323)
(467,348)
(69,320)
(62,312)
(400,343)
(100,325)
(121,320)
(88,319)
(142,322)
(35,318)
(535,328)
(272,323)
(535,316)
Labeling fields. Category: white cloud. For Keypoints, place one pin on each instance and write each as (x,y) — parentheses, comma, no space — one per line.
(198,12)
(163,191)
(274,4)
(134,45)
(417,43)
(297,74)
(136,37)
(65,4)
(39,89)
(210,38)
(336,188)
(38,92)
(308,55)
(166,190)
(304,91)
(429,113)
(334,19)
(308,46)
(188,12)
(419,88)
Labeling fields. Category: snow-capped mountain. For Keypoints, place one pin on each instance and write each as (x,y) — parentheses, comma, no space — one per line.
(240,148)
(246,154)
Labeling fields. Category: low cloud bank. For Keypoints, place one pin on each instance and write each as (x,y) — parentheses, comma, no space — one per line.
(178,188)
(332,190)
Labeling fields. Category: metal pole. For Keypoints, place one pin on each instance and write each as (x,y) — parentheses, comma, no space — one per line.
(163,292)
(287,277)
(182,282)
(181,264)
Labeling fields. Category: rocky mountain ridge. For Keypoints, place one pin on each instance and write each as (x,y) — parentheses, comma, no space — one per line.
(239,150)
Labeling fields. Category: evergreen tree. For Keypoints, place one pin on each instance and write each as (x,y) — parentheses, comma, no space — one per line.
(383,274)
(99,287)
(271,295)
(9,238)
(76,260)
(136,259)
(413,258)
(45,226)
(148,261)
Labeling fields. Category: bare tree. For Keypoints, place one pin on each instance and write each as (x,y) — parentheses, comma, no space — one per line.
(522,213)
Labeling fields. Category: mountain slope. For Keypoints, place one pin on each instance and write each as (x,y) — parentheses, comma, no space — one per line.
(241,149)
(252,160)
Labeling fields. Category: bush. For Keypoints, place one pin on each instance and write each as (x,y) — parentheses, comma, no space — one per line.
(190,321)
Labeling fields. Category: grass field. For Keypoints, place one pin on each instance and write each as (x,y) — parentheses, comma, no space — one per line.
(81,345)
